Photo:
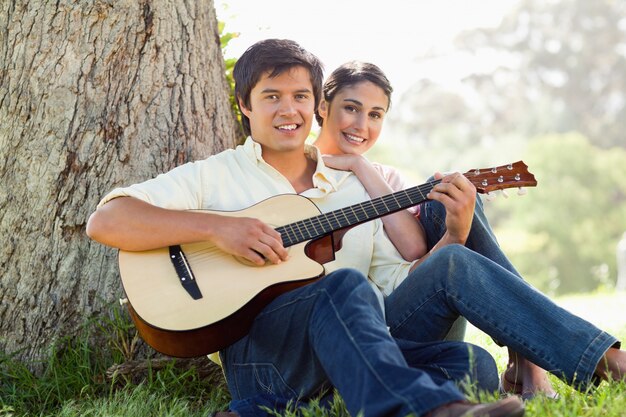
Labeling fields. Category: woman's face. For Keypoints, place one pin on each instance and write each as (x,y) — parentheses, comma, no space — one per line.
(354,118)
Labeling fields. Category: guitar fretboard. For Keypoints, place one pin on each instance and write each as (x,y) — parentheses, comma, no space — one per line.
(324,224)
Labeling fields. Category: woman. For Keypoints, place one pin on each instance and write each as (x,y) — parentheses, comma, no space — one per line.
(356,98)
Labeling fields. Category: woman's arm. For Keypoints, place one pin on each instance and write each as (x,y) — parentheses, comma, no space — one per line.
(403,229)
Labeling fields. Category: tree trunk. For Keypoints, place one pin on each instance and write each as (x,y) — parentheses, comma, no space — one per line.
(93,95)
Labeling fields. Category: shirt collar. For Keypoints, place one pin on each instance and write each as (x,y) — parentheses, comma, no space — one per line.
(253,149)
(325,179)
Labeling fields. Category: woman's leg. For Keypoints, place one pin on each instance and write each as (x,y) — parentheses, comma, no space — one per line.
(481,238)
(521,375)
(456,281)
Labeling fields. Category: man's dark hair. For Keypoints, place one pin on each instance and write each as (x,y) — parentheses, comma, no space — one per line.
(350,74)
(273,56)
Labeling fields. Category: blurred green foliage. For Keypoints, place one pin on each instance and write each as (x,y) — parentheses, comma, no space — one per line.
(229,65)
(564,233)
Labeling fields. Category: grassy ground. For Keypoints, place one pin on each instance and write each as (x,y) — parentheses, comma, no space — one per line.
(75,384)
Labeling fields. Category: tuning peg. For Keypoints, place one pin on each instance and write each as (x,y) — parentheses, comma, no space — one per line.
(504,194)
(490,196)
(521,191)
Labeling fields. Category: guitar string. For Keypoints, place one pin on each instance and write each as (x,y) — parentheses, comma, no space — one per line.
(352,217)
(413,195)
(207,253)
(373,208)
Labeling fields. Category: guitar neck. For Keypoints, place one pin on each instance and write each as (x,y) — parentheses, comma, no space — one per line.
(485,180)
(324,224)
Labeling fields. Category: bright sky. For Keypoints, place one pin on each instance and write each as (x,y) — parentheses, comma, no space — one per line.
(396,35)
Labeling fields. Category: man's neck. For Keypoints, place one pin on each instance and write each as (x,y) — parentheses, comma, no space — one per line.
(296,167)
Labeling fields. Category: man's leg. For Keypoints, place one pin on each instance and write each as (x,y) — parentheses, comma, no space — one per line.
(471,367)
(456,281)
(331,331)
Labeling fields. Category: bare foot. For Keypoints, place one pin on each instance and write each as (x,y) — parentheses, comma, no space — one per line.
(612,366)
(524,378)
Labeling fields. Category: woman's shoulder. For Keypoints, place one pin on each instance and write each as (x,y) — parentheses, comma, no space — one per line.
(386,171)
(392,176)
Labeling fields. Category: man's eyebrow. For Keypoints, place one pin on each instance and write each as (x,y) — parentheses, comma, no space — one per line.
(273,90)
(358,103)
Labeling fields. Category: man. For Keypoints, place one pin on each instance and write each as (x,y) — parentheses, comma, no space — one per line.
(330,333)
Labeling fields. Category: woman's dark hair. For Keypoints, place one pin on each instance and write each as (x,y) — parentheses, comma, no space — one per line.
(350,74)
(274,56)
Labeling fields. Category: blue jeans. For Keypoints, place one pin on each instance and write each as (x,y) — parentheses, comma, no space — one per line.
(451,361)
(332,334)
(456,281)
(481,239)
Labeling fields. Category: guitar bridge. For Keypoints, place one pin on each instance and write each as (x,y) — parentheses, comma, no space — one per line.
(184,272)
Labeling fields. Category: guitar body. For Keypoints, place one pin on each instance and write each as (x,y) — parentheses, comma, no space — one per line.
(233,290)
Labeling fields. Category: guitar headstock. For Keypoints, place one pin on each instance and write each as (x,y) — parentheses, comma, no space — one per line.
(514,175)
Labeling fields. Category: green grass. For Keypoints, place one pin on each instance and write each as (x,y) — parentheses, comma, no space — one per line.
(74,379)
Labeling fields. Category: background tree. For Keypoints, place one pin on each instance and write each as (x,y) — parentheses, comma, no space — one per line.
(93,95)
(563,68)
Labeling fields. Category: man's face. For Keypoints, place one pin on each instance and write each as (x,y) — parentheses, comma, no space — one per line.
(281,111)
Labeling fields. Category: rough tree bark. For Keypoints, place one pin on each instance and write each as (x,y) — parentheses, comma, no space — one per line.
(92,95)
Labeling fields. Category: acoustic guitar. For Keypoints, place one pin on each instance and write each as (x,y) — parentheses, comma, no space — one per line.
(194,299)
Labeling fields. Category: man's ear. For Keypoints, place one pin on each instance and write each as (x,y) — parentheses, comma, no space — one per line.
(246,111)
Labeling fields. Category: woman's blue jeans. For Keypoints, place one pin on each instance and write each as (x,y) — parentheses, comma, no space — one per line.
(332,334)
(481,239)
(457,281)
